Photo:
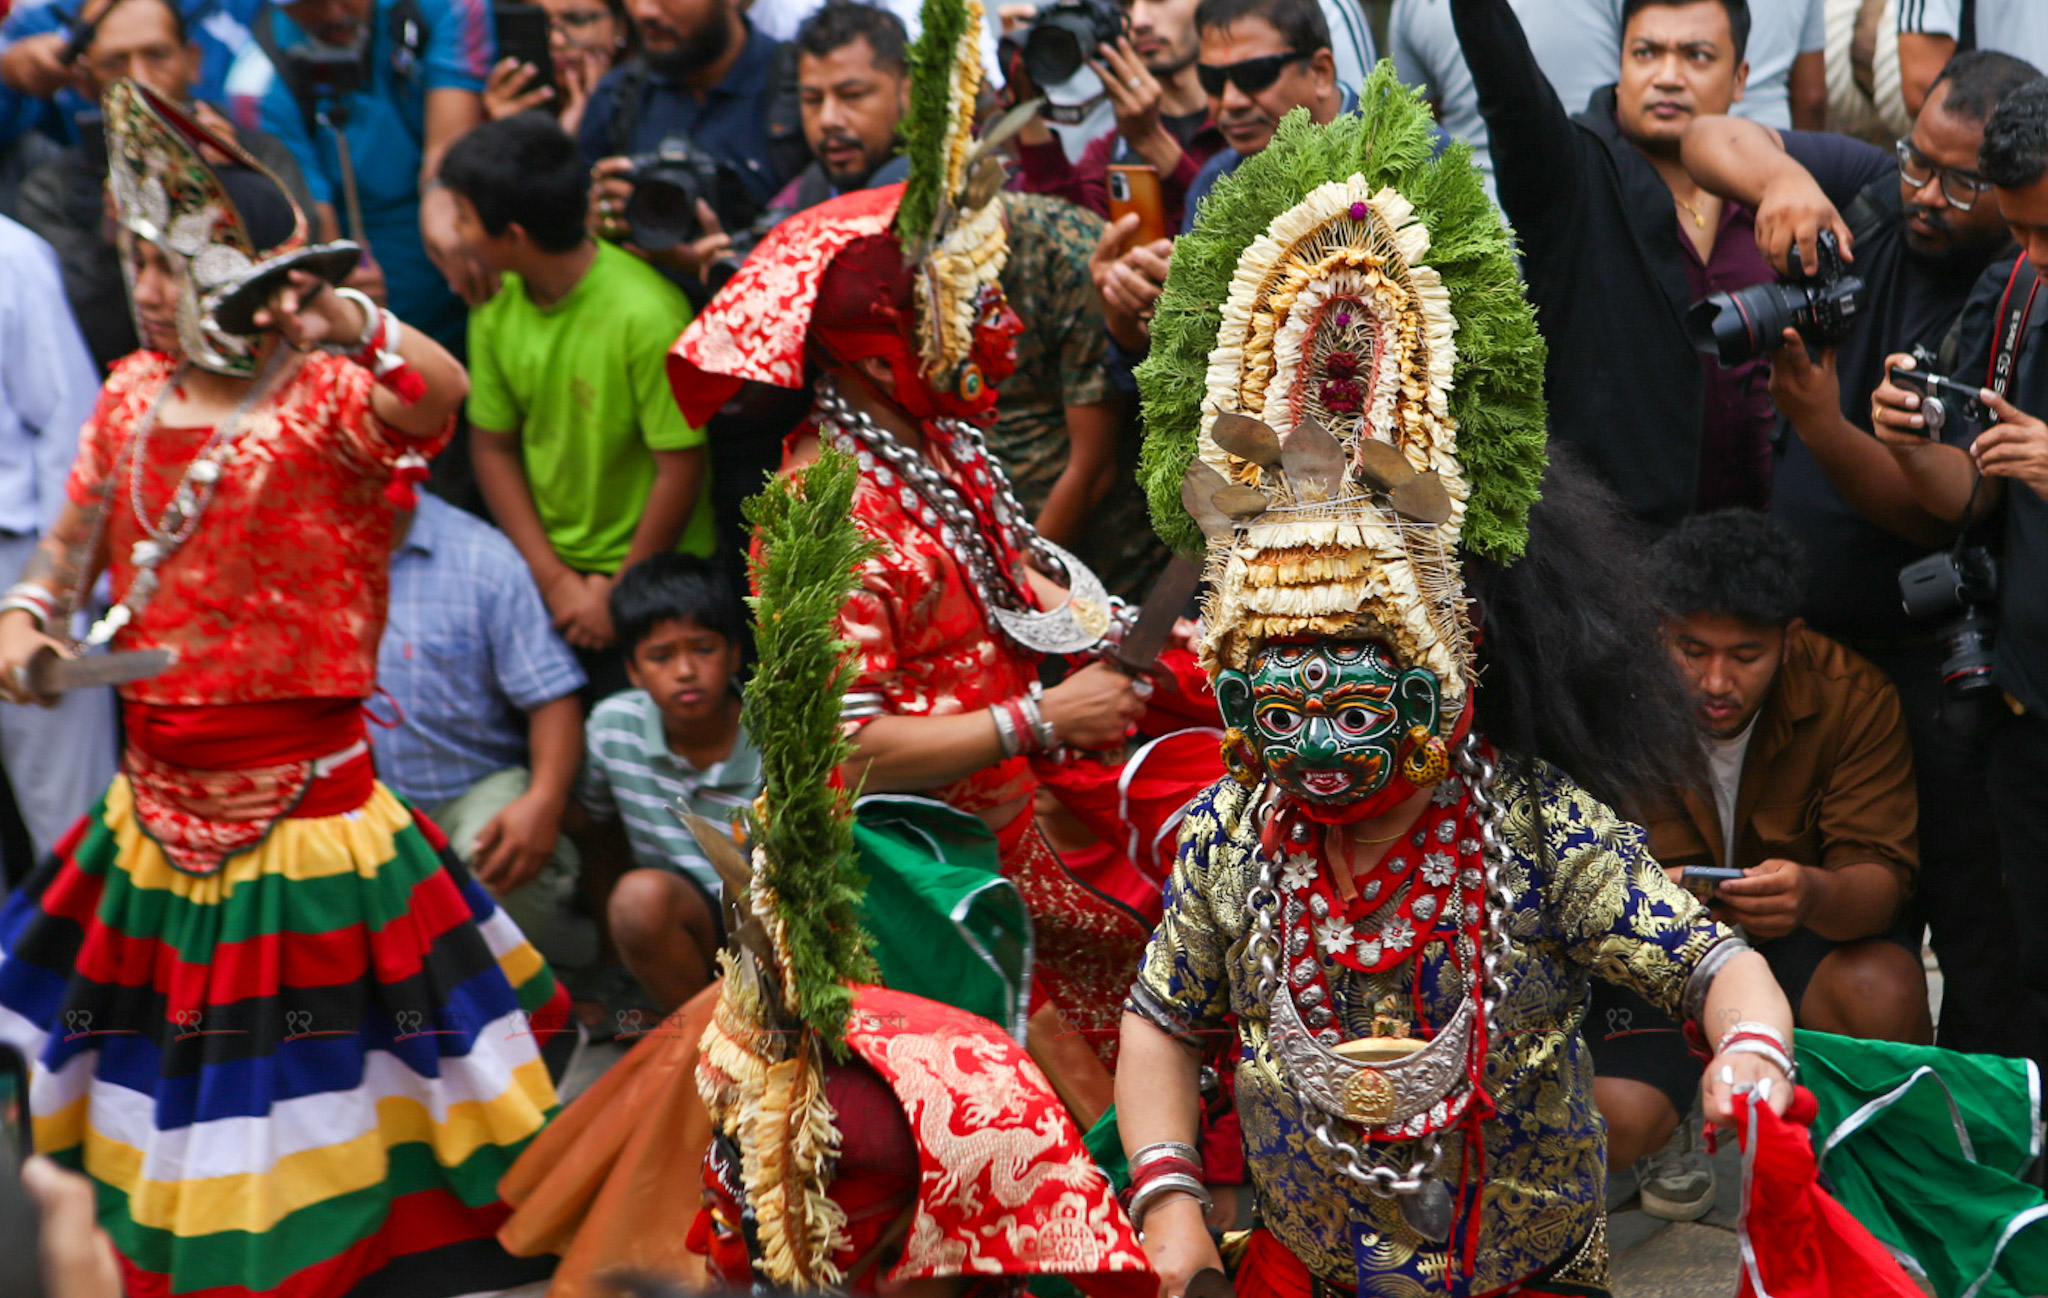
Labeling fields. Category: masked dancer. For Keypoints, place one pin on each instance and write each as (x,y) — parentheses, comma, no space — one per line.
(1403,887)
(286,1035)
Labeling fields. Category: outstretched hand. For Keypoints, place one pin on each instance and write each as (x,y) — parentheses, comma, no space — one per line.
(306,313)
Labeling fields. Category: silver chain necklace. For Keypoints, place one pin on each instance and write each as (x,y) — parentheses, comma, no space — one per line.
(927,495)
(180,517)
(1425,1199)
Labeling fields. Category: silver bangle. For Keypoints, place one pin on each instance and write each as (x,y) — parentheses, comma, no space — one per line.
(1766,1051)
(373,316)
(1757,1029)
(1043,731)
(1164,1149)
(1146,1199)
(1006,730)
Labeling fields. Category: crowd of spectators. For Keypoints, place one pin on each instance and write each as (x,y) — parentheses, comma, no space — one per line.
(564,653)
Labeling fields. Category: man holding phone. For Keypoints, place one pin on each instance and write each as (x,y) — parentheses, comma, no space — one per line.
(1810,804)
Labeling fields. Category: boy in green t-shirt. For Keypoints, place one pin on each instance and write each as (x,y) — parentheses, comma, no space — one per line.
(579,448)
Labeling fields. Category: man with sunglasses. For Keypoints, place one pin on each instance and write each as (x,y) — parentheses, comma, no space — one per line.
(1259,60)
(1922,225)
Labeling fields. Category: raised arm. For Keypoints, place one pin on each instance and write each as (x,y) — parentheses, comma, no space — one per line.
(1530,133)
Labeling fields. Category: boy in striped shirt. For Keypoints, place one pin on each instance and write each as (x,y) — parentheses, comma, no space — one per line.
(676,736)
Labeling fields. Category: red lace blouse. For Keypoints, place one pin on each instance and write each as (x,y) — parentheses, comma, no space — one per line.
(280,592)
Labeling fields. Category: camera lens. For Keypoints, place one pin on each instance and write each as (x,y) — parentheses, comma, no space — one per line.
(663,209)
(1056,47)
(1966,654)
(1743,325)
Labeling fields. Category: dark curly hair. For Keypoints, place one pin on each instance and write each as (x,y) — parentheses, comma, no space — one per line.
(1572,664)
(2015,148)
(1730,563)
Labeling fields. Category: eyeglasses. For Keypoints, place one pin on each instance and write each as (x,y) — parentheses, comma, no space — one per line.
(1250,76)
(577,20)
(1961,188)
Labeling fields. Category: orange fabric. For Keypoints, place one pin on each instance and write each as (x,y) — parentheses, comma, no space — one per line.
(280,591)
(614,1181)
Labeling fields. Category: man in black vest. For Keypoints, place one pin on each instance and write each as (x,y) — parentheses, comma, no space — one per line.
(1921,225)
(1617,241)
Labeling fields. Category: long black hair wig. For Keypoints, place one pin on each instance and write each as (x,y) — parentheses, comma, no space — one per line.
(1573,667)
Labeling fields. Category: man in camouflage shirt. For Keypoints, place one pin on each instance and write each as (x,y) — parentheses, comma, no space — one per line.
(1067,438)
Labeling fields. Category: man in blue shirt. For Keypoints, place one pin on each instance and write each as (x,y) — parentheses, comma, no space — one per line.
(703,73)
(59,759)
(488,733)
(36,89)
(423,69)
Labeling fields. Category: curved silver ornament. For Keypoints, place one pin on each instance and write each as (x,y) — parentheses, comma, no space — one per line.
(1077,625)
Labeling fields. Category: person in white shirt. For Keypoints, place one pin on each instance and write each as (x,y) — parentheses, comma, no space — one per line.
(1930,31)
(1577,44)
(1788,77)
(60,759)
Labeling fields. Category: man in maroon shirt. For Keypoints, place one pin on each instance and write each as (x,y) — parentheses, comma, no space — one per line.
(1162,116)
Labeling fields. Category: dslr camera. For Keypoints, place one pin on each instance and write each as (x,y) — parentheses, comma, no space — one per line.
(1960,585)
(1065,35)
(1743,325)
(667,184)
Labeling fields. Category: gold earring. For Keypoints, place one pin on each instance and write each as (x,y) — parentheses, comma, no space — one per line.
(1239,759)
(1428,761)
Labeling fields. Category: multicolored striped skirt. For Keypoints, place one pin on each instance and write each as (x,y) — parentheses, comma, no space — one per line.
(301,1074)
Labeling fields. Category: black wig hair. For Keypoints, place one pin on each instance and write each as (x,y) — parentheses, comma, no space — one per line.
(1571,657)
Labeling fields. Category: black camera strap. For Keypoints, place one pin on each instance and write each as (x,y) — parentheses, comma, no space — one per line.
(2014,307)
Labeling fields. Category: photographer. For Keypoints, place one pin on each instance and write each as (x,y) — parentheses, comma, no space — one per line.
(1162,116)
(1259,60)
(1920,233)
(585,38)
(1617,241)
(369,94)
(40,42)
(705,84)
(1998,468)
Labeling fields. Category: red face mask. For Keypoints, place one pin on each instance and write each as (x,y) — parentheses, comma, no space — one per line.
(993,358)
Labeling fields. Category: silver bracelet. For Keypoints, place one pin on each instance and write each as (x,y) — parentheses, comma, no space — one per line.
(1766,1051)
(1164,1149)
(1144,1200)
(1757,1029)
(1042,730)
(1006,730)
(373,316)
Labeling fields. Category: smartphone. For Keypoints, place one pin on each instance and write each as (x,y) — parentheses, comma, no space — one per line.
(1702,880)
(1136,189)
(1952,409)
(523,35)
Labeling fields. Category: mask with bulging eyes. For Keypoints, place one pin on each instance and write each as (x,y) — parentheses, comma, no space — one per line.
(993,358)
(1330,721)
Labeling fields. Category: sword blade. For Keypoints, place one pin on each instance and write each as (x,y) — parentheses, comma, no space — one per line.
(51,674)
(1163,606)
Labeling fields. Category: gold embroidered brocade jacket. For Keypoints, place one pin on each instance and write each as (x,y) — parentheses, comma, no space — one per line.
(1590,903)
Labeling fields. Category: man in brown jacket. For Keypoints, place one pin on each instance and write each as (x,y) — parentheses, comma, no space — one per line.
(1810,795)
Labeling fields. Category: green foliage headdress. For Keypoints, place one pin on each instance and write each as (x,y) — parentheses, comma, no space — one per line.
(1344,389)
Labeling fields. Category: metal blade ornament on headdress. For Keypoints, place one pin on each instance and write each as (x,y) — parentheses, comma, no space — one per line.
(169,191)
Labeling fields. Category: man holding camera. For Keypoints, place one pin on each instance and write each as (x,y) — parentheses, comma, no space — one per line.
(700,98)
(369,94)
(1162,116)
(1259,60)
(1617,241)
(1977,460)
(1921,226)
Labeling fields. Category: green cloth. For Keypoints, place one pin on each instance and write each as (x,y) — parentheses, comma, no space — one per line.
(584,385)
(947,925)
(1889,1146)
